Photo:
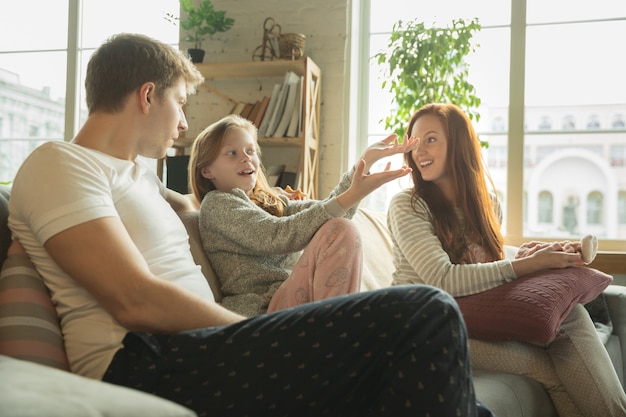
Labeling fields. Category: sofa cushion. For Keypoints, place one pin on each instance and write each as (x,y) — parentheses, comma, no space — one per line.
(190,220)
(531,308)
(375,238)
(33,390)
(508,395)
(29,325)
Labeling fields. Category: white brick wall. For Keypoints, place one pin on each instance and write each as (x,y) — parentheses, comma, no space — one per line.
(324,22)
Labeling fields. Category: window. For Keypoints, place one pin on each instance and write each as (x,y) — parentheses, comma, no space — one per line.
(569,122)
(561,116)
(545,123)
(621,208)
(544,214)
(594,122)
(42,77)
(618,155)
(594,208)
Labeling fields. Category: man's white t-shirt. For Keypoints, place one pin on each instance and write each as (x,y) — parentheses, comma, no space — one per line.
(61,185)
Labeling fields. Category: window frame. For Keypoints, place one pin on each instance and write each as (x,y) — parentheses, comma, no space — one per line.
(516,111)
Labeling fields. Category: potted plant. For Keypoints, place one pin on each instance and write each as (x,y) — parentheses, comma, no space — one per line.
(425,65)
(200,22)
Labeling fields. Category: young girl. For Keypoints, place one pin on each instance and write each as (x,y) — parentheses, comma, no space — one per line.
(249,230)
(446,233)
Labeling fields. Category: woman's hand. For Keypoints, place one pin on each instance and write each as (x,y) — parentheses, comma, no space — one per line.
(528,248)
(387,147)
(551,256)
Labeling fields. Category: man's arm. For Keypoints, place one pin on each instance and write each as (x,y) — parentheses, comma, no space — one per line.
(100,256)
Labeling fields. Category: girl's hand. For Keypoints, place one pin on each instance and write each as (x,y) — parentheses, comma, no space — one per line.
(387,147)
(364,183)
(290,193)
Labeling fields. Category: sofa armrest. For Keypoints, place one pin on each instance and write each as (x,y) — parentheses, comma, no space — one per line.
(616,300)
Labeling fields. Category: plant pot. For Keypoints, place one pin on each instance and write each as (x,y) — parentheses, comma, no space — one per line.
(197,55)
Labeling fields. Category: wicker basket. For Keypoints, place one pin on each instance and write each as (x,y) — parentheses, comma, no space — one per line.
(291,45)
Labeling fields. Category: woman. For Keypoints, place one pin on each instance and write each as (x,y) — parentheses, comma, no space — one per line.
(250,232)
(446,233)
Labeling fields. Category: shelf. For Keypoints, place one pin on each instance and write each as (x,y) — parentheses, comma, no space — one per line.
(261,69)
(308,142)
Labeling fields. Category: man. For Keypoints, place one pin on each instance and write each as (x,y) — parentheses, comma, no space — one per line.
(135,310)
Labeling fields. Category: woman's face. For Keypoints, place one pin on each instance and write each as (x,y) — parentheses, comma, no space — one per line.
(430,156)
(237,164)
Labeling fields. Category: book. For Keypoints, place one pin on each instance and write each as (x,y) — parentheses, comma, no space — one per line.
(273,173)
(277,112)
(287,178)
(254,111)
(245,112)
(270,109)
(290,106)
(237,108)
(262,108)
(294,129)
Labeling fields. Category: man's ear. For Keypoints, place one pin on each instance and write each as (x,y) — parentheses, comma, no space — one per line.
(147,95)
(206,173)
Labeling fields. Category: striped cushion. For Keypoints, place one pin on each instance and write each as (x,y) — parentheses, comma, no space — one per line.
(29,325)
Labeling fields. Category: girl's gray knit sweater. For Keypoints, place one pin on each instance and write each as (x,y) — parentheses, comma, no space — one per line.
(249,248)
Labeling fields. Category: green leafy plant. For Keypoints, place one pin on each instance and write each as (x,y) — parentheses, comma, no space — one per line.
(427,64)
(202,21)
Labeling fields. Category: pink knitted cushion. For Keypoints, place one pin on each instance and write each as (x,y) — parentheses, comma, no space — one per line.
(29,325)
(533,307)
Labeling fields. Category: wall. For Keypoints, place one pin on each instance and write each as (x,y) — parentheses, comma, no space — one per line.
(324,22)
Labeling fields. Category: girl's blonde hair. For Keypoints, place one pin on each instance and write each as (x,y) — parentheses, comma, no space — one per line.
(480,223)
(205,150)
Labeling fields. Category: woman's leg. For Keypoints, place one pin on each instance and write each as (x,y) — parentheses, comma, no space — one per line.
(395,352)
(524,359)
(330,266)
(575,368)
(584,366)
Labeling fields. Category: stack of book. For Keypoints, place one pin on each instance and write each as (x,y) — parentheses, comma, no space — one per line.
(279,115)
(252,111)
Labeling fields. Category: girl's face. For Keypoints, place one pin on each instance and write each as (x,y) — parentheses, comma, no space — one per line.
(237,164)
(430,156)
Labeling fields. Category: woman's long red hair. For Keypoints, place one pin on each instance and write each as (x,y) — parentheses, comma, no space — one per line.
(479,223)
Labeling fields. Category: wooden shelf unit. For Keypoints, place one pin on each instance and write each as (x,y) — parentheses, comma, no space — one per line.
(310,136)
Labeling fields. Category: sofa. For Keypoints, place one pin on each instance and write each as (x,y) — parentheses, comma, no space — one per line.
(29,389)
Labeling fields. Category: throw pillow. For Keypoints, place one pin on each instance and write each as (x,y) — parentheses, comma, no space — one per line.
(531,308)
(29,325)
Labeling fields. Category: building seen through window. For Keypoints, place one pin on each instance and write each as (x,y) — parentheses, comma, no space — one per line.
(569,140)
(42,78)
